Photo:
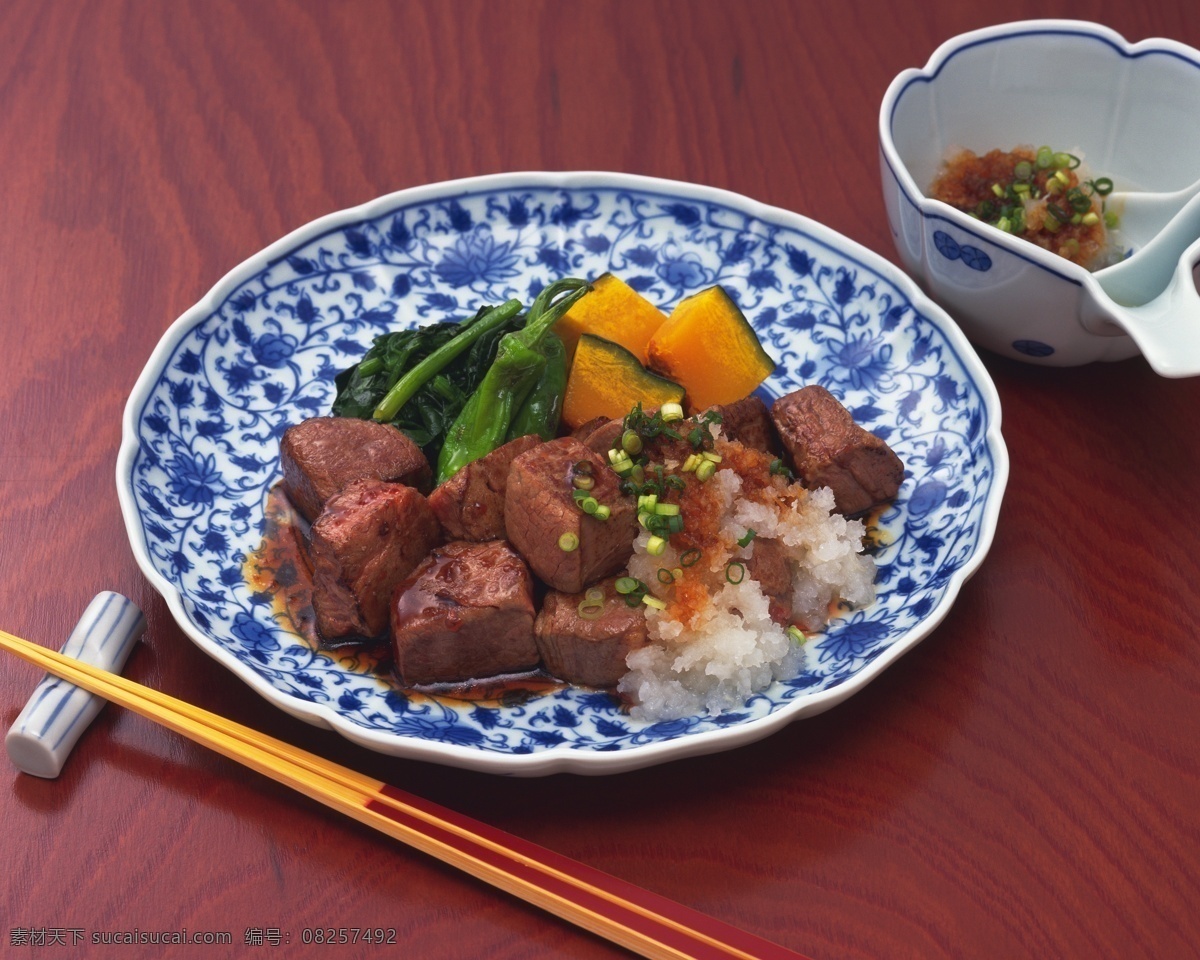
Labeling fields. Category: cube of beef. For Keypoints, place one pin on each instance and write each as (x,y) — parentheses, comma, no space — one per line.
(321,455)
(539,509)
(368,538)
(470,505)
(465,613)
(828,449)
(748,421)
(589,650)
(770,567)
(600,435)
(582,431)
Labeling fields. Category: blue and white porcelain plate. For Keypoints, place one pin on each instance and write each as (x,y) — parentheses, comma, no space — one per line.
(260,351)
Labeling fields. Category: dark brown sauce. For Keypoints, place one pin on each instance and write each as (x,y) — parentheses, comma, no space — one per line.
(280,568)
(876,536)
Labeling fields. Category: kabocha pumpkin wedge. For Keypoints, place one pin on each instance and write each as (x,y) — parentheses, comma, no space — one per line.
(607,381)
(709,348)
(615,311)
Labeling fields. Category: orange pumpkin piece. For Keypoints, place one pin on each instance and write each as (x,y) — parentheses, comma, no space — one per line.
(615,311)
(606,380)
(709,348)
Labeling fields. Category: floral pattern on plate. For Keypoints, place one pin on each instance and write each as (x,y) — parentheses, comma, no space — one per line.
(261,351)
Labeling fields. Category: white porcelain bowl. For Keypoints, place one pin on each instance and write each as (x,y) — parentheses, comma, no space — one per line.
(1130,110)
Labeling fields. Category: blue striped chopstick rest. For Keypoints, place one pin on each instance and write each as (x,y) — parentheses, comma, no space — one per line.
(42,736)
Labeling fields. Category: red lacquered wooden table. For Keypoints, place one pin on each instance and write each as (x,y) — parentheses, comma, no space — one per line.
(1023,784)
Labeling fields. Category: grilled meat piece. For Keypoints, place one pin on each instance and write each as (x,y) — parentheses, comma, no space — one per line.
(828,449)
(470,505)
(321,455)
(749,422)
(539,509)
(769,565)
(366,540)
(600,434)
(466,612)
(589,650)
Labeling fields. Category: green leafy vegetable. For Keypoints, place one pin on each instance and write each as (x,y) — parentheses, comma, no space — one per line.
(435,401)
(484,422)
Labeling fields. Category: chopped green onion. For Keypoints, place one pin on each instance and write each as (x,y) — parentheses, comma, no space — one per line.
(616,456)
(735,571)
(671,412)
(705,470)
(589,504)
(582,482)
(591,609)
(1045,157)
(665,575)
(1080,202)
(625,585)
(603,512)
(1057,212)
(1004,224)
(631,442)
(691,463)
(709,455)
(568,542)
(677,573)
(1062,177)
(745,541)
(667,509)
(647,501)
(638,474)
(652,601)
(689,557)
(1111,220)
(1091,218)
(1023,170)
(595,593)
(1102,186)
(997,190)
(780,469)
(796,634)
(655,546)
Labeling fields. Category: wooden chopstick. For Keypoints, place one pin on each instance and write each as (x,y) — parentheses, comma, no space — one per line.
(643,922)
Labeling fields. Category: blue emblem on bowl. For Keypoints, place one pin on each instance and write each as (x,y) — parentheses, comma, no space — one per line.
(951,249)
(1033,348)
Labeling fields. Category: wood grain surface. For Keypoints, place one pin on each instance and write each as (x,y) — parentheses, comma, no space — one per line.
(1024,784)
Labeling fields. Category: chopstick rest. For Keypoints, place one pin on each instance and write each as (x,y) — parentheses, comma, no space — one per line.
(45,731)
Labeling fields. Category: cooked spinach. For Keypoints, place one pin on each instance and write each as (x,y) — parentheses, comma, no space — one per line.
(432,408)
